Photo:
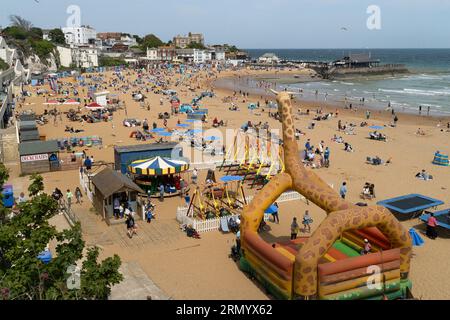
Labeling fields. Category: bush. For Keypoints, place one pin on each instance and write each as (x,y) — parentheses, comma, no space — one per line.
(42,48)
(15,33)
(3,65)
(111,62)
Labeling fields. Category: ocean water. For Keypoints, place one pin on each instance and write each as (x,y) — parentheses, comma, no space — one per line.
(427,85)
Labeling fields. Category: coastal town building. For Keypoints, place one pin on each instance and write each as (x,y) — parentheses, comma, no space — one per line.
(184,41)
(269,58)
(113,38)
(82,35)
(80,56)
(218,54)
(164,53)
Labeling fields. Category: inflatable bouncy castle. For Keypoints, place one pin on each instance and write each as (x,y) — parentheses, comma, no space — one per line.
(330,264)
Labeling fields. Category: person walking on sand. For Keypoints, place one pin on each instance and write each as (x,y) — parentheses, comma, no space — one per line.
(326,157)
(294,229)
(130,226)
(194,176)
(78,195)
(307,220)
(431,227)
(343,190)
(161,192)
(276,219)
(69,197)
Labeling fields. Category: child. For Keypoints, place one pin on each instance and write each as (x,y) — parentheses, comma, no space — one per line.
(307,220)
(149,215)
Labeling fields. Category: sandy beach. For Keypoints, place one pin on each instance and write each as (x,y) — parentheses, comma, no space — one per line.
(200,269)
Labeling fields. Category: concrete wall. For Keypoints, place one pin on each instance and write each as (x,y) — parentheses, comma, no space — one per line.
(8,146)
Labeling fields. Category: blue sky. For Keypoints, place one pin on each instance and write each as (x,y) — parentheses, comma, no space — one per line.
(256,23)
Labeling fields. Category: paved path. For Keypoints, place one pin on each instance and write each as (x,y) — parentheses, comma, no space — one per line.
(157,233)
(136,285)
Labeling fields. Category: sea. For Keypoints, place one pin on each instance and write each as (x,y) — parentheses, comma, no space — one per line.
(427,84)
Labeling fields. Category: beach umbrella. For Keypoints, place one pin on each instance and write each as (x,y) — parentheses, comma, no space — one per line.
(71,102)
(416,238)
(193,120)
(182,125)
(158,166)
(94,106)
(272,209)
(164,134)
(377,127)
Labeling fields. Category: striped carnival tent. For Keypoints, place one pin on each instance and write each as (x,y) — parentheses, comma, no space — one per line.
(158,167)
(440,159)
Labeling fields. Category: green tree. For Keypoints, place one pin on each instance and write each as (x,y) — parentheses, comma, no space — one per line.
(151,41)
(24,276)
(4,176)
(36,186)
(35,33)
(18,21)
(195,45)
(138,39)
(15,32)
(57,36)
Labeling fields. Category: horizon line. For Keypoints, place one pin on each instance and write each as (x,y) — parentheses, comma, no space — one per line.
(380,48)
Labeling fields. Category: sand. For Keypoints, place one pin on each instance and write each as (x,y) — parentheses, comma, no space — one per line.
(200,269)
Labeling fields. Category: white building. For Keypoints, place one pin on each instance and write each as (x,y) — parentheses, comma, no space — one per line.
(220,55)
(269,58)
(128,41)
(152,54)
(79,35)
(81,57)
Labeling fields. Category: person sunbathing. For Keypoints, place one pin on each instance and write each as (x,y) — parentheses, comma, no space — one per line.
(423,175)
(420,132)
(348,147)
(337,139)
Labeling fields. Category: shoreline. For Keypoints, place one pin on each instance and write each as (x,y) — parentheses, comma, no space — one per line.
(233,79)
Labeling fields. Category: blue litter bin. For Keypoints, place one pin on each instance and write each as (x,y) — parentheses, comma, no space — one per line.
(45,256)
(8,196)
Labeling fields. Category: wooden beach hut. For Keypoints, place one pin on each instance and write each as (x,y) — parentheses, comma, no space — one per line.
(109,185)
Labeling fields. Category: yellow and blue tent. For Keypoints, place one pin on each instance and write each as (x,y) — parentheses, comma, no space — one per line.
(158,166)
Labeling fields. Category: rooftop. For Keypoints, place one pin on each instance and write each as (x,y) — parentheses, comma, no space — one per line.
(109,182)
(146,147)
(38,147)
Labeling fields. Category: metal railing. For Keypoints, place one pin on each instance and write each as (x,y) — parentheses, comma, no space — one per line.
(67,211)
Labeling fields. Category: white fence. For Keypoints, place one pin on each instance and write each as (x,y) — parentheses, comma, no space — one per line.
(202,225)
(286,196)
(214,224)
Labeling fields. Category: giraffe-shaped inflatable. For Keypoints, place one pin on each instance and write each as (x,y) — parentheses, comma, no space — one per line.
(301,280)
